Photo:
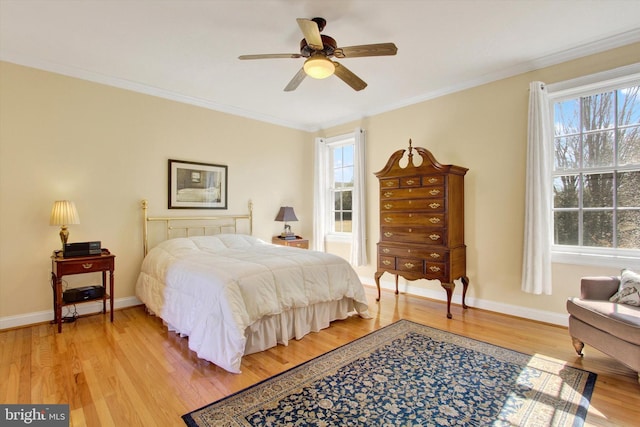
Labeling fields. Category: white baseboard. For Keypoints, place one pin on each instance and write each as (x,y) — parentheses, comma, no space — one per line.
(512,310)
(46,316)
(436,294)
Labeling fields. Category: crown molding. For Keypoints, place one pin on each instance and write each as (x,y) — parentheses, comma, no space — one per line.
(133,86)
(583,50)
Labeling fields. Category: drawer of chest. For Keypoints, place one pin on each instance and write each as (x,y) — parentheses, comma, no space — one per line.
(387,262)
(410,264)
(412,193)
(429,254)
(436,270)
(413,235)
(433,180)
(82,266)
(412,218)
(426,205)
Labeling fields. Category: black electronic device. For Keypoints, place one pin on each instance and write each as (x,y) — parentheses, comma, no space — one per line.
(289,237)
(72,250)
(83,293)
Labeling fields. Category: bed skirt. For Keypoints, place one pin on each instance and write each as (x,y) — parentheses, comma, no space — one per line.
(262,334)
(295,323)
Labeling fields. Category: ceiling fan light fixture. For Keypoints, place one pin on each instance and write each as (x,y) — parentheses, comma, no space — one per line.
(319,67)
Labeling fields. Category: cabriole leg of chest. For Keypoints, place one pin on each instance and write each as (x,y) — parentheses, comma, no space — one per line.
(377,277)
(449,287)
(465,286)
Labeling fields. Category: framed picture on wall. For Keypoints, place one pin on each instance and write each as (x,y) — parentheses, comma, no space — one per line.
(194,185)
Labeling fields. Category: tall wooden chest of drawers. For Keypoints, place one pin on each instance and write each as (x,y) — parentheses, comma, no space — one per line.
(422,221)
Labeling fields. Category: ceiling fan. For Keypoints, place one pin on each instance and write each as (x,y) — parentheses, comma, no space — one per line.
(319,48)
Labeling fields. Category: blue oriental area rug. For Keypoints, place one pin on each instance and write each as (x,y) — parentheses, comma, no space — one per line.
(407,374)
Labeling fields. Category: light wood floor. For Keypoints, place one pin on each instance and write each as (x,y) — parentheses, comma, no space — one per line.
(135,373)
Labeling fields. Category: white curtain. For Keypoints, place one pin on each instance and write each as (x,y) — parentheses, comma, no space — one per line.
(358,206)
(320,195)
(536,265)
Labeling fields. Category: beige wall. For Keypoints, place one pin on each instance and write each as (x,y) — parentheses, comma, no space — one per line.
(483,129)
(106,149)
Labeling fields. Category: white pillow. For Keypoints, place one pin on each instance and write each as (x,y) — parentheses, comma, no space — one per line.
(629,290)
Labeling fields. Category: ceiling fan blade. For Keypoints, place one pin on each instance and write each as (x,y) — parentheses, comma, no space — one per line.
(311,33)
(296,80)
(379,49)
(348,77)
(271,56)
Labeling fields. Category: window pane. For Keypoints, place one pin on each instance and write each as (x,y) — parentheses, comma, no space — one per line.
(598,229)
(566,117)
(565,191)
(567,150)
(346,200)
(337,178)
(565,226)
(345,177)
(338,222)
(598,111)
(347,155)
(598,149)
(629,146)
(337,157)
(598,190)
(629,189)
(629,106)
(337,201)
(628,229)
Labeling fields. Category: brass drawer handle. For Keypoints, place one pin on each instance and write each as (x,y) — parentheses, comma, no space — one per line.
(434,192)
(87,266)
(386,262)
(410,182)
(409,265)
(388,219)
(386,250)
(388,193)
(433,180)
(388,234)
(388,206)
(434,268)
(389,183)
(434,205)
(434,255)
(434,236)
(434,220)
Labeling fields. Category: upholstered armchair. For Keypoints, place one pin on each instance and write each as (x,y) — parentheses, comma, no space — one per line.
(611,327)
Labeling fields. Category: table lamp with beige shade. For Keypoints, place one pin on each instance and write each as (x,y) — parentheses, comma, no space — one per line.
(64,213)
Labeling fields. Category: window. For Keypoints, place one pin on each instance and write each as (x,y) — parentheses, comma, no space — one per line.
(339,194)
(341,187)
(596,170)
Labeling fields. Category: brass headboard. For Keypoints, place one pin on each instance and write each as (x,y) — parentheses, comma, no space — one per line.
(205,225)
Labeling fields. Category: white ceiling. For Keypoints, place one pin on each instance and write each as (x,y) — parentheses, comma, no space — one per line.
(187,50)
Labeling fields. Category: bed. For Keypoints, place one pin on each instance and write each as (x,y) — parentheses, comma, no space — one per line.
(232,294)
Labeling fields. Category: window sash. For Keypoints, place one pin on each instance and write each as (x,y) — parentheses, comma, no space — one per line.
(334,144)
(581,254)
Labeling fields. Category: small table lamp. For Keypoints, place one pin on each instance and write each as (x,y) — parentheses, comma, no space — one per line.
(286,214)
(64,213)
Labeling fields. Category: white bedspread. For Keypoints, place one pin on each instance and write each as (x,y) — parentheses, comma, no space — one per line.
(213,288)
